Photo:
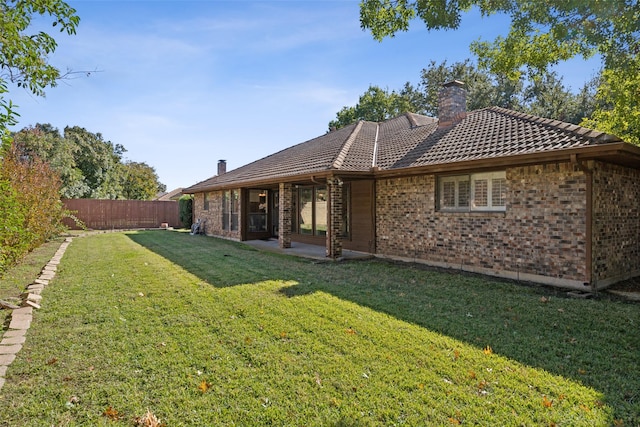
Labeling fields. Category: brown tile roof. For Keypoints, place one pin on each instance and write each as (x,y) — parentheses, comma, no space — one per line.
(412,140)
(171,195)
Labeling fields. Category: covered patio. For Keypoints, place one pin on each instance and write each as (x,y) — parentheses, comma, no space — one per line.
(304,250)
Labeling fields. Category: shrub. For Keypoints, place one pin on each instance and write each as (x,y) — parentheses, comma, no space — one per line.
(30,208)
(185,206)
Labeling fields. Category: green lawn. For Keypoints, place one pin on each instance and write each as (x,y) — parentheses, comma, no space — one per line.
(207,332)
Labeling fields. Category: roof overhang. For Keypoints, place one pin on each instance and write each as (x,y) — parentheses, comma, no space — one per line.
(617,153)
(307,178)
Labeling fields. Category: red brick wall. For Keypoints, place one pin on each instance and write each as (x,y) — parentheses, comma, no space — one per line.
(213,215)
(540,236)
(616,222)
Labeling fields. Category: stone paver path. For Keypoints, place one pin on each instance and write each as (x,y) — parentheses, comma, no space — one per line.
(14,337)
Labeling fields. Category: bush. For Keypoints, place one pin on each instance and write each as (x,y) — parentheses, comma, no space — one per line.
(185,206)
(30,208)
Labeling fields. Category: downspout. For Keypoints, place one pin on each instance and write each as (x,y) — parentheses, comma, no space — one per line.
(315,181)
(588,173)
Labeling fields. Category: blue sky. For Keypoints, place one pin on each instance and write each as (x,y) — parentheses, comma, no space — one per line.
(182,84)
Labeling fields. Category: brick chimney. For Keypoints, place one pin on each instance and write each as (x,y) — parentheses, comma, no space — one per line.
(222,167)
(452,103)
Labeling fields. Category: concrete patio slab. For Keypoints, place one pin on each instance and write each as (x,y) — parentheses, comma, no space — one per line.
(304,250)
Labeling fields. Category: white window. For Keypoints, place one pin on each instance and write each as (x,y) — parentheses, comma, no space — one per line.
(474,192)
(454,192)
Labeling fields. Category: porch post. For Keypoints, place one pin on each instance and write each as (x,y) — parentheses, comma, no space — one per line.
(334,232)
(285,215)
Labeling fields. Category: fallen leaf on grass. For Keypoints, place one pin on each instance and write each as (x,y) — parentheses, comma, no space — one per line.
(488,350)
(456,354)
(52,361)
(544,299)
(351,331)
(318,379)
(112,414)
(546,402)
(149,420)
(204,386)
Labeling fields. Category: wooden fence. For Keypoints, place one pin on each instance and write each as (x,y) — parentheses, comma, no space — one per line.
(122,214)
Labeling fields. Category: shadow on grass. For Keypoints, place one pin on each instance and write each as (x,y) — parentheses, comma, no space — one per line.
(594,342)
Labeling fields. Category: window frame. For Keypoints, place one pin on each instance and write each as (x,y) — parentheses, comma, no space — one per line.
(230,209)
(473,180)
(313,191)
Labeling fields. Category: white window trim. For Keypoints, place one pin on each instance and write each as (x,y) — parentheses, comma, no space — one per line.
(489,176)
(471,178)
(455,179)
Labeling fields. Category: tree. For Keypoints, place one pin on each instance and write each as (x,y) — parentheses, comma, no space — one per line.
(378,104)
(140,181)
(44,141)
(24,56)
(542,34)
(98,160)
(484,89)
(545,96)
(88,166)
(619,98)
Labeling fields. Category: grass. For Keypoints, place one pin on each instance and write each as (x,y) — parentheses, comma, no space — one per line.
(201,331)
(14,281)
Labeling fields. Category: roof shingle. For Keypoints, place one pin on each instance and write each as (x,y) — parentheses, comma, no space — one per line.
(412,140)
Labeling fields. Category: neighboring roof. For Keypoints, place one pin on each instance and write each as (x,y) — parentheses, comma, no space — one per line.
(171,195)
(414,141)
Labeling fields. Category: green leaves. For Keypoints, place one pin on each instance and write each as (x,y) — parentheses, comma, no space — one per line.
(386,17)
(542,34)
(377,105)
(24,56)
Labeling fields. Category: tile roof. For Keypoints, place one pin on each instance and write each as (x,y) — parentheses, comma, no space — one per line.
(413,140)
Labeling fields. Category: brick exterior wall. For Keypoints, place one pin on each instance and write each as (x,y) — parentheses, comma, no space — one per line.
(452,103)
(542,233)
(213,215)
(616,222)
(285,215)
(334,236)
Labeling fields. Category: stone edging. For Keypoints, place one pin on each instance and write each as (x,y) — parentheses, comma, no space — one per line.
(15,336)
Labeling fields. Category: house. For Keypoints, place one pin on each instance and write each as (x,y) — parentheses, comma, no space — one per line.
(492,191)
(173,195)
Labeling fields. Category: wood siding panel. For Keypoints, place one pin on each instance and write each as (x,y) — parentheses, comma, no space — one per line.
(362,218)
(122,214)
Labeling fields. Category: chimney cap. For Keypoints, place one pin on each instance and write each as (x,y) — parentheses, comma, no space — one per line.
(457,83)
